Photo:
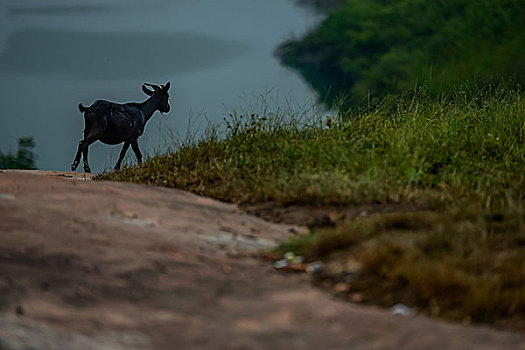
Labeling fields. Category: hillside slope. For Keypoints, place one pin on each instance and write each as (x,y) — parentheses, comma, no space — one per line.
(98,265)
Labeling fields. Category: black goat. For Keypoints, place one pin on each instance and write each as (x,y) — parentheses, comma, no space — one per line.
(114,123)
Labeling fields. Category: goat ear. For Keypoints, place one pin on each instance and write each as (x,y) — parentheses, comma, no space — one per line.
(146,90)
(166,87)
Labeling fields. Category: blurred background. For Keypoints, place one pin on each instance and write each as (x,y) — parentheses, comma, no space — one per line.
(218,56)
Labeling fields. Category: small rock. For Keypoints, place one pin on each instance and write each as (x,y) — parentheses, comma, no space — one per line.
(280,264)
(7,196)
(403,310)
(341,287)
(315,268)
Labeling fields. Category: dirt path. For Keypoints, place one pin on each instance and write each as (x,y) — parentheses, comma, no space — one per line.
(99,265)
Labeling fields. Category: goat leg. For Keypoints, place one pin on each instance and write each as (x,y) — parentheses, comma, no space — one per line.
(82,148)
(87,169)
(122,154)
(135,147)
(77,157)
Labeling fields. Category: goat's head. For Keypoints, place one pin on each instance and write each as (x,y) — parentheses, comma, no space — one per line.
(160,92)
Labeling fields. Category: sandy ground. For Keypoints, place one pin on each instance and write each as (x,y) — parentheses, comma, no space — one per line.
(101,265)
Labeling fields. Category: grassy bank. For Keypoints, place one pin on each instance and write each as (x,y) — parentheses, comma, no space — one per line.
(455,145)
(459,159)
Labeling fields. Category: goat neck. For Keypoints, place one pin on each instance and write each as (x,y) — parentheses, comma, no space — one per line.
(151,105)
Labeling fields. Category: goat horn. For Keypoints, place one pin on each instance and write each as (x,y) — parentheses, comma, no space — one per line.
(155,87)
(147,91)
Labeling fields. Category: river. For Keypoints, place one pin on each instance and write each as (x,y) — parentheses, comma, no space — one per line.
(218,56)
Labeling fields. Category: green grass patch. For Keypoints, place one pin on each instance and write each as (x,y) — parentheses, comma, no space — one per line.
(407,147)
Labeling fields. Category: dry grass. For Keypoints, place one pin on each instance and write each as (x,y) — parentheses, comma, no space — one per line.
(466,263)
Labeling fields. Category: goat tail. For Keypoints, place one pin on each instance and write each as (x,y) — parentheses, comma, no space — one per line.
(82,108)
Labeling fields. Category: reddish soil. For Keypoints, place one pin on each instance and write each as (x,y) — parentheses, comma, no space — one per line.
(103,265)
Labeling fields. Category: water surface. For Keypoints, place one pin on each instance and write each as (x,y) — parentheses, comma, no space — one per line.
(217,55)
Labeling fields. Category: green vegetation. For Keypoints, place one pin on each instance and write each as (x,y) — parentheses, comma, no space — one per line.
(465,262)
(460,158)
(23,159)
(457,145)
(377,47)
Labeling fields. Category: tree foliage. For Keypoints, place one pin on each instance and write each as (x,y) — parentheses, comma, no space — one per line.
(379,47)
(24,157)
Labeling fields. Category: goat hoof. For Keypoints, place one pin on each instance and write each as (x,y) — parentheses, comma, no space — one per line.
(87,170)
(74,166)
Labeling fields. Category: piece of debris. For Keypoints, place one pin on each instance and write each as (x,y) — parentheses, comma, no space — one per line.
(7,196)
(315,268)
(289,266)
(298,259)
(290,256)
(279,264)
(403,310)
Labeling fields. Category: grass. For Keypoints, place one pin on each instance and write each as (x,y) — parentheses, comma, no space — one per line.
(459,157)
(453,145)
